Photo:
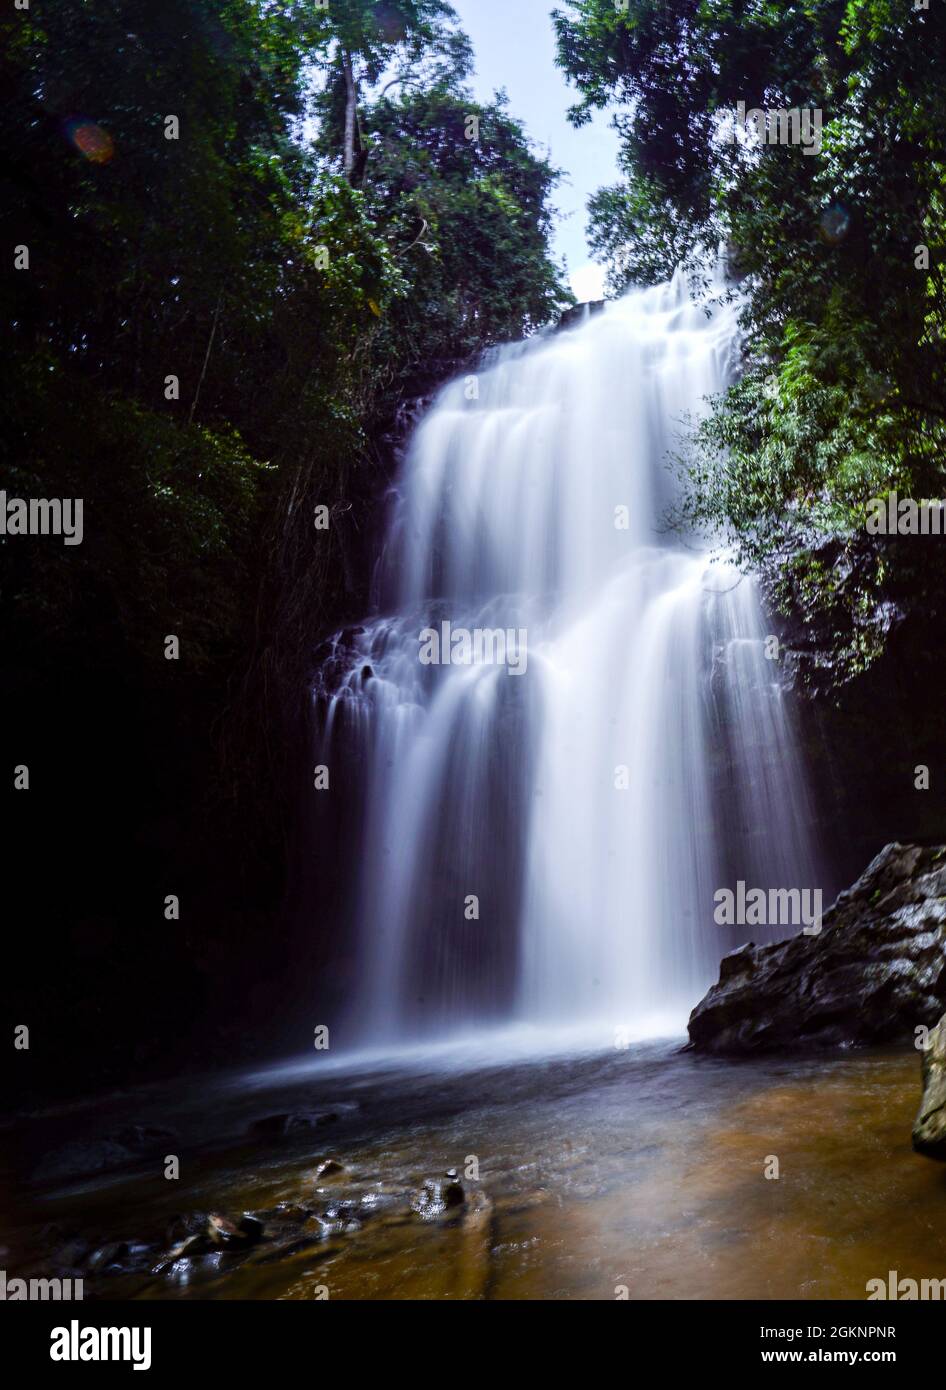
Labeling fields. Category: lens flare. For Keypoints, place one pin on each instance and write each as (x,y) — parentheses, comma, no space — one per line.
(834,223)
(90,140)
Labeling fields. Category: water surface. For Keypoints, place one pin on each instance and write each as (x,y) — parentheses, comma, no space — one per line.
(641,1169)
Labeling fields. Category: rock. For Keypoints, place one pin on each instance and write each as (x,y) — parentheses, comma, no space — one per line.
(874,973)
(929,1129)
(436,1196)
(144,1139)
(452,1189)
(188,1249)
(251,1227)
(116,1150)
(341,1218)
(73,1253)
(292,1123)
(82,1157)
(184,1225)
(319,1225)
(291,1212)
(428,1202)
(108,1255)
(222,1231)
(219,1238)
(577,314)
(330,1168)
(193,1245)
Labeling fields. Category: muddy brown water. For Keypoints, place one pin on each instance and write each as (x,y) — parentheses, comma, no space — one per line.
(642,1170)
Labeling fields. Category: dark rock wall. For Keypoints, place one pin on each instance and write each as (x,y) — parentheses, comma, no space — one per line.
(874,973)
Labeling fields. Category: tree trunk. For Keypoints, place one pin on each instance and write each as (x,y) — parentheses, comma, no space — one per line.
(351,94)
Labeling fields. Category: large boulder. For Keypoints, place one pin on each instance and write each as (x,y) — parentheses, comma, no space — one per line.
(874,973)
(929,1130)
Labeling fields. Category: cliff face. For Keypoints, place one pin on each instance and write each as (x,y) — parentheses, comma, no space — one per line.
(874,973)
(868,726)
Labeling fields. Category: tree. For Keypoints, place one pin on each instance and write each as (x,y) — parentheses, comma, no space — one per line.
(213,338)
(839,256)
(464,203)
(404,40)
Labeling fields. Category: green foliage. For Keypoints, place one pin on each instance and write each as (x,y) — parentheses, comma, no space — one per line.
(844,331)
(407,33)
(415,40)
(164,541)
(292,307)
(469,223)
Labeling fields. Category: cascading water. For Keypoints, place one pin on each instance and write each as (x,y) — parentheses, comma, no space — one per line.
(546,809)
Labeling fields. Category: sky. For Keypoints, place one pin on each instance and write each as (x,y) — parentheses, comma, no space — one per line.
(514,46)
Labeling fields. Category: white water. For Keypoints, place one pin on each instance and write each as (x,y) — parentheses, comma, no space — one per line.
(644,759)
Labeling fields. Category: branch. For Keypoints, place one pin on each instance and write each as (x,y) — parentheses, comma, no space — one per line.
(423,229)
(203,370)
(396,81)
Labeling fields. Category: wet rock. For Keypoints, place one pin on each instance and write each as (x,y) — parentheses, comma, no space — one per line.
(429,1203)
(217,1236)
(276,1126)
(198,1244)
(577,314)
(291,1212)
(436,1196)
(222,1231)
(184,1225)
(81,1158)
(318,1226)
(875,971)
(177,1259)
(330,1168)
(929,1130)
(144,1139)
(452,1189)
(73,1252)
(341,1218)
(117,1149)
(108,1256)
(251,1227)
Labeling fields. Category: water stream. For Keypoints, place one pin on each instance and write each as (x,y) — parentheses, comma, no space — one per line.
(547,807)
(531,840)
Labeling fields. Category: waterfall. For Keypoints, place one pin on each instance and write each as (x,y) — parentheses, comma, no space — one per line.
(563,734)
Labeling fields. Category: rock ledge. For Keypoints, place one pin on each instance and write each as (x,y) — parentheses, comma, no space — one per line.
(874,974)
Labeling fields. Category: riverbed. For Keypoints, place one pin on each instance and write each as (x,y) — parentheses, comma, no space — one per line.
(643,1172)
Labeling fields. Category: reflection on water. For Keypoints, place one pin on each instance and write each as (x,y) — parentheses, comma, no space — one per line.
(644,1168)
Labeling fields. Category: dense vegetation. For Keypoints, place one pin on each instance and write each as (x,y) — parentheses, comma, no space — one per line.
(254,229)
(840,257)
(240,237)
